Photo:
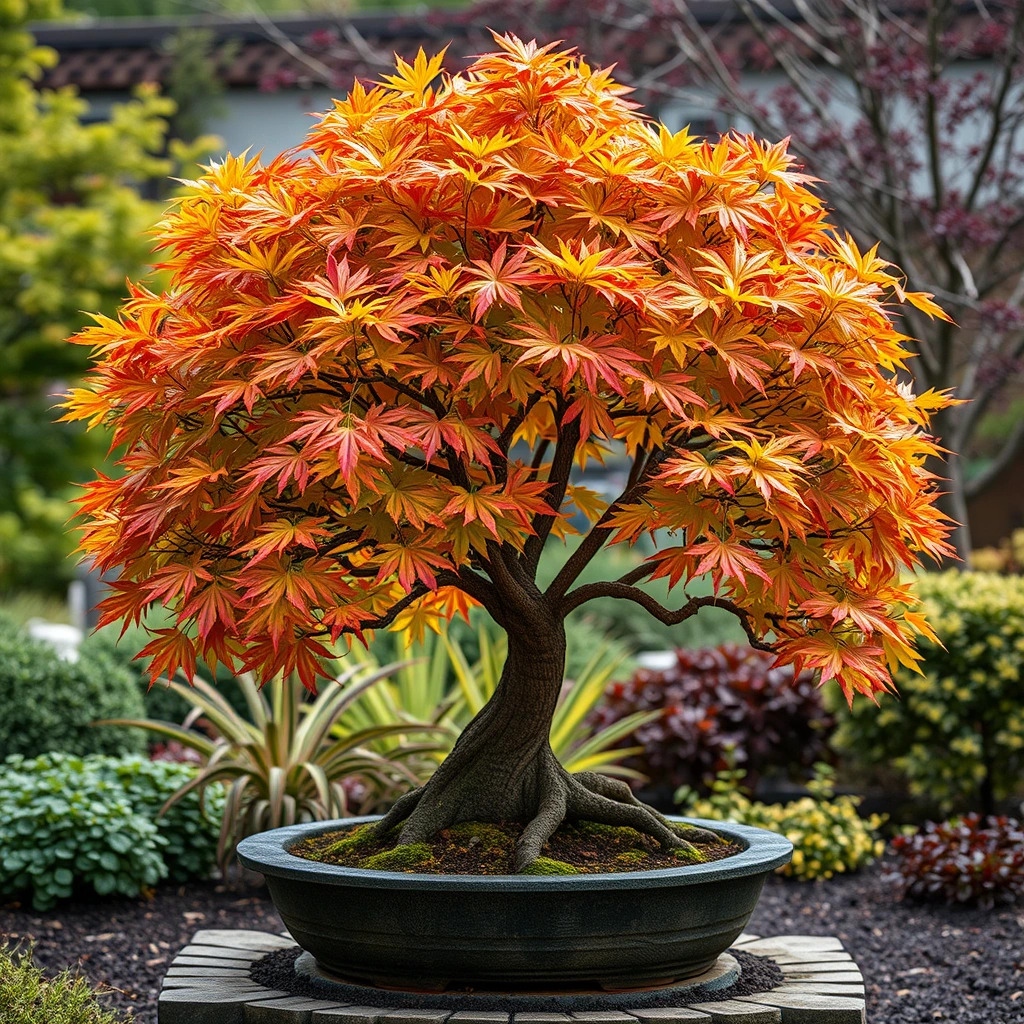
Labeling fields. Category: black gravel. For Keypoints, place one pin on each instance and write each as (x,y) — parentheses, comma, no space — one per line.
(922,962)
(277,970)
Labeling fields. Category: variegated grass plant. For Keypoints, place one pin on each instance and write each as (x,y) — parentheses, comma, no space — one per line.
(287,763)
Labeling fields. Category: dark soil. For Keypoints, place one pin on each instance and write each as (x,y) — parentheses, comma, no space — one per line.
(125,946)
(277,970)
(921,963)
(484,849)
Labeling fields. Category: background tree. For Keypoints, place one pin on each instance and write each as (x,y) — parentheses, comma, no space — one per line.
(72,228)
(359,402)
(911,116)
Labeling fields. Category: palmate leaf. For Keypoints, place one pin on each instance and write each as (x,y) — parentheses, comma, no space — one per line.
(434,342)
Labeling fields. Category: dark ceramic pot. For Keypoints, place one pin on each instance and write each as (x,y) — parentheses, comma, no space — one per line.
(507,932)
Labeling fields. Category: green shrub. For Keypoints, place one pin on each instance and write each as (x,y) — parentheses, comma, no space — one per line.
(47,703)
(161,703)
(828,835)
(957,731)
(27,996)
(188,830)
(69,823)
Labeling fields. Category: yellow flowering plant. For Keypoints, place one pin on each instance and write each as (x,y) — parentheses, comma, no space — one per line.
(829,837)
(957,730)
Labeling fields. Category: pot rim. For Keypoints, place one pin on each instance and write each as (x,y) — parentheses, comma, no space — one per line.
(267,853)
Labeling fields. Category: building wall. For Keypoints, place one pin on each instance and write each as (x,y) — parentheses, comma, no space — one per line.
(267,121)
(998,511)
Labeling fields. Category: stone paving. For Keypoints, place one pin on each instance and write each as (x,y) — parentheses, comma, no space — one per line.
(208,983)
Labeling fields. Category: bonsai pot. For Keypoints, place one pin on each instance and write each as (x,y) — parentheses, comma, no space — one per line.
(613,931)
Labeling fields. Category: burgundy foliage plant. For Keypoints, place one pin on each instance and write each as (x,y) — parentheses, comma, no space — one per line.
(716,700)
(964,860)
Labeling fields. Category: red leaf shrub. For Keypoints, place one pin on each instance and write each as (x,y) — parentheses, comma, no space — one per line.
(717,698)
(962,861)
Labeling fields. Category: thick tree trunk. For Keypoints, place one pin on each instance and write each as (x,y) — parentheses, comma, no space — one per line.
(503,769)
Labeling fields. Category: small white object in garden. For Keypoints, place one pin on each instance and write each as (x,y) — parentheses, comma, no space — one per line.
(62,638)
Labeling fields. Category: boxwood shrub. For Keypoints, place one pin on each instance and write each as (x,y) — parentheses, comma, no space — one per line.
(46,703)
(70,824)
(957,731)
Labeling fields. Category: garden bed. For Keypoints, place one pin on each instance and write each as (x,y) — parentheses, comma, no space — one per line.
(920,963)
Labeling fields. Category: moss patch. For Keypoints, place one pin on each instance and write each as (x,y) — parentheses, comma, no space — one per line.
(488,848)
(410,857)
(547,866)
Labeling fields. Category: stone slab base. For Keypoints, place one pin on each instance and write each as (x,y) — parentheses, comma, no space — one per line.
(208,983)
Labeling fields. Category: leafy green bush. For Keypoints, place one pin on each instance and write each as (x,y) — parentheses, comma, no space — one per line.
(47,703)
(70,823)
(827,834)
(27,996)
(161,703)
(957,731)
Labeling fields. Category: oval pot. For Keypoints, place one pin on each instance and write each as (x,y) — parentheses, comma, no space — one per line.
(615,931)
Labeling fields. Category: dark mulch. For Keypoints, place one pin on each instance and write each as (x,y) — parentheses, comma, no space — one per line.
(921,963)
(277,970)
(477,849)
(126,945)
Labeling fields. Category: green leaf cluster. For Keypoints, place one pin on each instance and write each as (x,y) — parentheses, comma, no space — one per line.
(73,226)
(28,996)
(47,704)
(70,824)
(829,837)
(957,730)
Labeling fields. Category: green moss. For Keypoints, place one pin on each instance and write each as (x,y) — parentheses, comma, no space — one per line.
(547,866)
(610,833)
(351,843)
(402,858)
(632,857)
(489,836)
(690,854)
(705,835)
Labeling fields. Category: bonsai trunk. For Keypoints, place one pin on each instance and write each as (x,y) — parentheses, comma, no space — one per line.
(502,767)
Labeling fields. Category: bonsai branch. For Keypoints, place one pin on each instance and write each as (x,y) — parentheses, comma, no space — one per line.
(626,592)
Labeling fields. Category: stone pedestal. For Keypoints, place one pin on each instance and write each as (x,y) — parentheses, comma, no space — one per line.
(209,983)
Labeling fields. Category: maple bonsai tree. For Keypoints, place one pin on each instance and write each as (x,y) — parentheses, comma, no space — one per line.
(361,399)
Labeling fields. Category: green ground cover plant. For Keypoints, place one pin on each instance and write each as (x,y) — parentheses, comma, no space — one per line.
(28,996)
(72,824)
(957,730)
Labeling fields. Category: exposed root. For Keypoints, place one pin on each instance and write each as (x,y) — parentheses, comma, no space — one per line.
(400,810)
(554,796)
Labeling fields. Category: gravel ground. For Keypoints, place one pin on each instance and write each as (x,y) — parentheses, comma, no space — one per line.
(921,963)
